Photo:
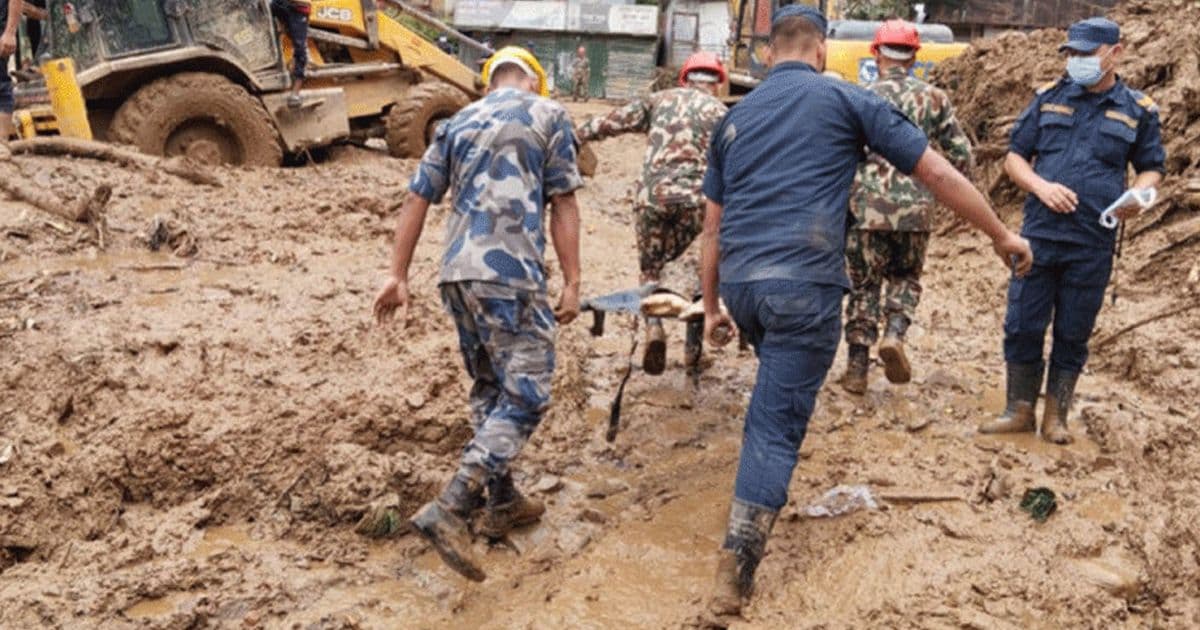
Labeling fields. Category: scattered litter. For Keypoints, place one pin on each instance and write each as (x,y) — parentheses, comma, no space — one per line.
(1040,503)
(842,500)
(382,519)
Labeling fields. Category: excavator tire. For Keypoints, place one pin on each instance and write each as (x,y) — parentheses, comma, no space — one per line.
(200,115)
(412,120)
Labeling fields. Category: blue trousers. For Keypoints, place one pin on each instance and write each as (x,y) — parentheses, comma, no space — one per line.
(296,24)
(1067,285)
(794,328)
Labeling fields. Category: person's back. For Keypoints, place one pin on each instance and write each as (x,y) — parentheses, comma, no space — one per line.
(515,142)
(680,127)
(790,222)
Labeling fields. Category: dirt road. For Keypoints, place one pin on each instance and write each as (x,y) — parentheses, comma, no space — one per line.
(194,438)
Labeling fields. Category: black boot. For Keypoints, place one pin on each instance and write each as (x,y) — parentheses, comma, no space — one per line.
(693,348)
(1024,381)
(1060,391)
(858,359)
(891,351)
(443,523)
(745,542)
(654,360)
(507,508)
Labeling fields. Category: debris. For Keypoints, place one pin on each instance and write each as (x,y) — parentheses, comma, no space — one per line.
(841,500)
(382,519)
(606,488)
(6,453)
(180,167)
(593,515)
(548,484)
(1040,503)
(90,209)
(918,497)
(1142,322)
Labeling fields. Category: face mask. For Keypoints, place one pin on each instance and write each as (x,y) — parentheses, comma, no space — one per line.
(1086,71)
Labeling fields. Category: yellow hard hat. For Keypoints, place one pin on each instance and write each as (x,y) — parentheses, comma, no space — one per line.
(521,57)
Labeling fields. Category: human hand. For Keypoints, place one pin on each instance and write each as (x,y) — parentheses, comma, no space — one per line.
(1057,197)
(392,297)
(718,328)
(568,305)
(1015,252)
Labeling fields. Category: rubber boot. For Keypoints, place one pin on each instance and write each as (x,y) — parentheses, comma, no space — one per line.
(1060,391)
(654,360)
(693,348)
(443,523)
(891,351)
(1024,380)
(745,542)
(507,508)
(857,361)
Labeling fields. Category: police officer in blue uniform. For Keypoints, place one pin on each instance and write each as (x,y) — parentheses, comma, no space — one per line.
(780,167)
(1070,151)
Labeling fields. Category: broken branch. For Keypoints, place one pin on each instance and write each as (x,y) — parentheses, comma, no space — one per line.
(58,146)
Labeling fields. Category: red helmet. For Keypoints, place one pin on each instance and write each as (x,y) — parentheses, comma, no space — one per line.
(896,33)
(705,62)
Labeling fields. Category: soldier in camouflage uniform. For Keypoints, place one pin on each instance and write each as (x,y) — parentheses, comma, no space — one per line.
(581,75)
(668,203)
(505,157)
(891,214)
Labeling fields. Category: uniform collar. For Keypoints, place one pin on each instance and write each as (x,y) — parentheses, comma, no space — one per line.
(895,72)
(1074,90)
(788,66)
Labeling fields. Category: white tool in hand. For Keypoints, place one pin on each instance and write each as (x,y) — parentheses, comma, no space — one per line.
(1144,197)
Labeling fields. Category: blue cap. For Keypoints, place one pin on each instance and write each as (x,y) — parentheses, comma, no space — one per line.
(801,10)
(1087,35)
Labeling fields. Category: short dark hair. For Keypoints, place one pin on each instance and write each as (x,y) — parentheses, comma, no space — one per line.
(504,71)
(795,33)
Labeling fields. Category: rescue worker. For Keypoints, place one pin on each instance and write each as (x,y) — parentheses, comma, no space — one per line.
(294,15)
(504,157)
(1070,150)
(10,21)
(581,75)
(891,213)
(668,203)
(780,168)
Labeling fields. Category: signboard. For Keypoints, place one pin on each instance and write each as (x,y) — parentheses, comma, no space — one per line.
(633,19)
(589,16)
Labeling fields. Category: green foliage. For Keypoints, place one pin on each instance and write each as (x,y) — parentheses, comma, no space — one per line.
(884,9)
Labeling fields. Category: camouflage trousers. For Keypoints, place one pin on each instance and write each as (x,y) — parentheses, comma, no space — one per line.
(579,88)
(506,336)
(663,234)
(871,258)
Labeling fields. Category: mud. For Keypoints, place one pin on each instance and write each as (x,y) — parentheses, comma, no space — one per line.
(194,438)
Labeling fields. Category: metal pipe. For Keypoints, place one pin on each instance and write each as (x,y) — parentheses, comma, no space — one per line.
(438,24)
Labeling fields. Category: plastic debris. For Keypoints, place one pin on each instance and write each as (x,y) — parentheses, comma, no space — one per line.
(1144,197)
(6,453)
(842,500)
(1040,503)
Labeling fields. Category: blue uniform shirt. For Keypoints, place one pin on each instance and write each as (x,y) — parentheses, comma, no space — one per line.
(1085,141)
(781,163)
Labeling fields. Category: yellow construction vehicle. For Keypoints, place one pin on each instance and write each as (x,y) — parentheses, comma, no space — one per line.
(849,45)
(209,78)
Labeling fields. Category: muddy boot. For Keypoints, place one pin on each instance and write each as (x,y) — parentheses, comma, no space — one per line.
(891,351)
(443,523)
(1024,380)
(508,509)
(1060,390)
(654,361)
(857,361)
(745,543)
(693,348)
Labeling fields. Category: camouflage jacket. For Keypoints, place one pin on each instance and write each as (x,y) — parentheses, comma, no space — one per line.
(504,156)
(885,199)
(679,122)
(581,68)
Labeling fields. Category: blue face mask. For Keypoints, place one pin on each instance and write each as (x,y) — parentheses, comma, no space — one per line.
(1086,71)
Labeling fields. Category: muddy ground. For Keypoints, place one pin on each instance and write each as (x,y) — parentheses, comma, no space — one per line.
(194,437)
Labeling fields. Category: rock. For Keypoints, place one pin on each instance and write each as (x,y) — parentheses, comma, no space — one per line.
(606,488)
(572,540)
(414,401)
(918,422)
(593,515)
(6,453)
(941,379)
(548,484)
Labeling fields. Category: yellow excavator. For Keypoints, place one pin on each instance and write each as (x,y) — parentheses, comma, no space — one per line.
(848,41)
(209,78)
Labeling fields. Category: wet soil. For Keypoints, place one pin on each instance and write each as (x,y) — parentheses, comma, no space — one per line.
(195,437)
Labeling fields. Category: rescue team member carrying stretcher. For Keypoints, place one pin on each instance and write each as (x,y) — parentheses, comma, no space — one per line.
(1081,132)
(780,168)
(668,204)
(505,157)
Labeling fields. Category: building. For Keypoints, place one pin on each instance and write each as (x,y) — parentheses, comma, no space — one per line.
(621,39)
(693,25)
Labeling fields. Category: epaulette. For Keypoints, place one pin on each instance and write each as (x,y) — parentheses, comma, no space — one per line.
(1046,87)
(1143,100)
